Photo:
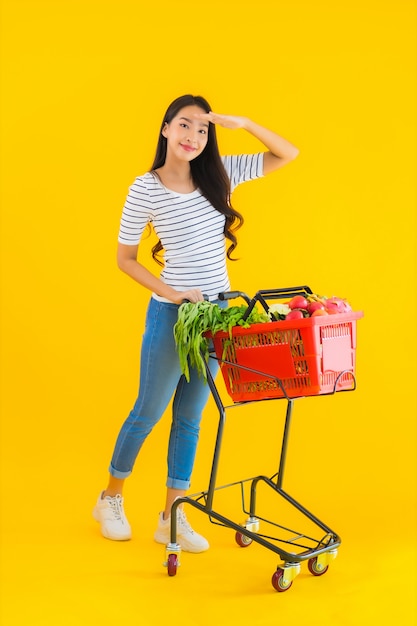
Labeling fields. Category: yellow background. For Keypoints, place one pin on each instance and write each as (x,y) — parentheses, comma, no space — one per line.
(84,86)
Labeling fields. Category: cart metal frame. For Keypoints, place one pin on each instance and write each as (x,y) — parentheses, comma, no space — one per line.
(318,552)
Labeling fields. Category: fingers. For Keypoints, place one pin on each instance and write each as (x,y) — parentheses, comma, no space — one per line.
(226,121)
(208,117)
(214,118)
(192,295)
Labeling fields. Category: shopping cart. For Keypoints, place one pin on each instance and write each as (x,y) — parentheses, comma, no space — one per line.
(286,360)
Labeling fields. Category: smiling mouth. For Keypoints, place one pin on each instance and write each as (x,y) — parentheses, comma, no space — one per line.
(187,148)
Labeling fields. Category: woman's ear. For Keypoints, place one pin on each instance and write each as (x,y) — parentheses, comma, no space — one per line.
(164,129)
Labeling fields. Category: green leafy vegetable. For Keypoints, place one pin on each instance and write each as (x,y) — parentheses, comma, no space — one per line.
(195,319)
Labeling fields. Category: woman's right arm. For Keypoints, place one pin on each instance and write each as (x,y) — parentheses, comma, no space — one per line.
(128,263)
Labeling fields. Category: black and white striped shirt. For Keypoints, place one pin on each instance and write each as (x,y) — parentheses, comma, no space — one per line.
(191,230)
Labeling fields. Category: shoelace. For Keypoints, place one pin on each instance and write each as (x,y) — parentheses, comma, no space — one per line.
(182,521)
(116,504)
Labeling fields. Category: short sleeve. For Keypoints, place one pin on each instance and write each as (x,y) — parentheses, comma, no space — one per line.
(137,213)
(243,167)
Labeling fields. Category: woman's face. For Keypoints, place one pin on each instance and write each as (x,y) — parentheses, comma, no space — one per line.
(186,134)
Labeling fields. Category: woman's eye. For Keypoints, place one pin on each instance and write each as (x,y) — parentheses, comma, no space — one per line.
(184,125)
(203,131)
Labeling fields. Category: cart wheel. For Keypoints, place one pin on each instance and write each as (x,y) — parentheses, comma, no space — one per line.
(315,569)
(242,540)
(172,564)
(278,581)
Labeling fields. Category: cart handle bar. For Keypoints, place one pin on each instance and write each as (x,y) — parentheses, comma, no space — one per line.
(266,294)
(231,295)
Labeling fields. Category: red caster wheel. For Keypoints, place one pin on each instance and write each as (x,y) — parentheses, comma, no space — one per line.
(278,581)
(242,540)
(316,568)
(172,564)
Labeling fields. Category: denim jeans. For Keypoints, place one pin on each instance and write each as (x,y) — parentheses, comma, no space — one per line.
(161,379)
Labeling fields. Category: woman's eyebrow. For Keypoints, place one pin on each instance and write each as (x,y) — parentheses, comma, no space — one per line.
(187,119)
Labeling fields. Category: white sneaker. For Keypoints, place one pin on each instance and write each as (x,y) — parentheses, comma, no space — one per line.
(110,514)
(189,540)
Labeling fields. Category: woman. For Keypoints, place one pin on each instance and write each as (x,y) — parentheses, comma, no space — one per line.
(186,197)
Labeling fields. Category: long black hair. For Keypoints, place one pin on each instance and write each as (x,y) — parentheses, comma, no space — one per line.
(207,171)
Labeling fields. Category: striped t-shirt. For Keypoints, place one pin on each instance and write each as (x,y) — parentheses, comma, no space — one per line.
(191,230)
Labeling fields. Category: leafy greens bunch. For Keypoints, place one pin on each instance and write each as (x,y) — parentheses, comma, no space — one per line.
(196,319)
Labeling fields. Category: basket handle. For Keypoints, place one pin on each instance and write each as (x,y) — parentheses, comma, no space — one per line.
(275,294)
(230,295)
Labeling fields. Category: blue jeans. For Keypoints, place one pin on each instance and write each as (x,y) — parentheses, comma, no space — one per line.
(160,379)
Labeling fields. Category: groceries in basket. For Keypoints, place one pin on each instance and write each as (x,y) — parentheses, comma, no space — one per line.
(310,305)
(272,350)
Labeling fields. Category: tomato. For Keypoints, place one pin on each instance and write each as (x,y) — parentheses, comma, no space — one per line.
(314,306)
(318,312)
(298,302)
(295,314)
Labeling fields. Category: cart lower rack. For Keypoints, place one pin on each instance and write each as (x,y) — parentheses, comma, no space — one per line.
(276,360)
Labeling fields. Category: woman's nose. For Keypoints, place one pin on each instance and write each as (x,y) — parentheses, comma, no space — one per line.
(192,137)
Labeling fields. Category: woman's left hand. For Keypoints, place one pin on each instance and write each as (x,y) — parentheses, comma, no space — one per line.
(227,121)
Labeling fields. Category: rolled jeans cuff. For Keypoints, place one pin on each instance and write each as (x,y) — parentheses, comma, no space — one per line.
(116,474)
(175,483)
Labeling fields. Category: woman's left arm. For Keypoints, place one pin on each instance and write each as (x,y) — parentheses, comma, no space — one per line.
(280,151)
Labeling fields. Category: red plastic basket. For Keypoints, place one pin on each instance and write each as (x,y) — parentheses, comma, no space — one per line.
(311,356)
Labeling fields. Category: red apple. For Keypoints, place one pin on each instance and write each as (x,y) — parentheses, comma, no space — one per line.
(295,314)
(315,306)
(298,302)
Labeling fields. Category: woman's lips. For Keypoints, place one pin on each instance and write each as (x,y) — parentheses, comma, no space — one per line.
(187,148)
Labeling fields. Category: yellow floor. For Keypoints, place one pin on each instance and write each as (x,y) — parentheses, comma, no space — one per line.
(59,570)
